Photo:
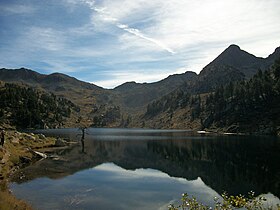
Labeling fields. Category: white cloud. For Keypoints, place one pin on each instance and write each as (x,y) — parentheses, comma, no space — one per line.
(138,33)
(44,38)
(180,24)
(107,17)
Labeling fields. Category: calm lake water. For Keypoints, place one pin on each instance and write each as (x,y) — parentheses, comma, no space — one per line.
(148,169)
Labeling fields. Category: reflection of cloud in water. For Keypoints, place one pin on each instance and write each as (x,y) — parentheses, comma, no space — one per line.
(161,181)
(141,173)
(138,173)
(108,186)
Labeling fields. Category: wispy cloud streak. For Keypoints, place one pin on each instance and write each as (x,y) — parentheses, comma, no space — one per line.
(134,31)
(138,33)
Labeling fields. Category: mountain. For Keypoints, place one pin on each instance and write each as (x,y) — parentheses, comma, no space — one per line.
(82,94)
(127,104)
(57,83)
(233,64)
(272,57)
(136,95)
(113,105)
(53,82)
(237,58)
(223,101)
(214,76)
(25,107)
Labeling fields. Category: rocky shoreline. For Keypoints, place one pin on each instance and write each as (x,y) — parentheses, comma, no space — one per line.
(20,149)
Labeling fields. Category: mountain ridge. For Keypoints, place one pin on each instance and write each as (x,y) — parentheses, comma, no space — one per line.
(229,57)
(235,57)
(131,99)
(31,76)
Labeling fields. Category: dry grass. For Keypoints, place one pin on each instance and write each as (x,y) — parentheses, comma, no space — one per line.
(8,201)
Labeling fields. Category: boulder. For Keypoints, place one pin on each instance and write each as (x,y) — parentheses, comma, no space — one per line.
(41,136)
(14,140)
(29,137)
(60,143)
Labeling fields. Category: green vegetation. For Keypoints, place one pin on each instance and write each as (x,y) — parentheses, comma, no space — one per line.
(105,115)
(228,203)
(25,107)
(250,106)
(247,106)
(169,103)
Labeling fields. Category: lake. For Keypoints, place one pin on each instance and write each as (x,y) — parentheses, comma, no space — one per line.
(148,169)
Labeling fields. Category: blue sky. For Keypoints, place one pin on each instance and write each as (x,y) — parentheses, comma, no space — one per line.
(109,42)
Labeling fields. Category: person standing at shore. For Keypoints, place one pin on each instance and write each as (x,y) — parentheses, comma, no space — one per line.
(2,136)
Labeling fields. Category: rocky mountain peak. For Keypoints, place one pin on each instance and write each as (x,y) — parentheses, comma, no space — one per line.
(235,57)
(272,57)
(233,47)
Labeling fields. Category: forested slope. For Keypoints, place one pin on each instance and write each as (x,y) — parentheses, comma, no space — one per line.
(250,106)
(25,107)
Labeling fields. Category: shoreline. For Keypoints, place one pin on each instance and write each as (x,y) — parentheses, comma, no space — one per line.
(19,150)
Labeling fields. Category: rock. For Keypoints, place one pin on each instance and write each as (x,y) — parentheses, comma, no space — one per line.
(233,129)
(41,136)
(14,140)
(67,140)
(60,143)
(24,160)
(40,154)
(16,133)
(29,137)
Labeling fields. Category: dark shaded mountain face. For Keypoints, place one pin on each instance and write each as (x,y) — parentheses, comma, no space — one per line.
(52,82)
(170,80)
(218,102)
(234,57)
(138,95)
(82,94)
(233,64)
(217,75)
(60,84)
(272,57)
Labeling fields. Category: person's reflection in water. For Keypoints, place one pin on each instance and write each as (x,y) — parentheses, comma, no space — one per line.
(83,145)
(83,129)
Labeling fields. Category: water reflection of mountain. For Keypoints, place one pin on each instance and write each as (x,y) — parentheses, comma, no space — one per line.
(236,165)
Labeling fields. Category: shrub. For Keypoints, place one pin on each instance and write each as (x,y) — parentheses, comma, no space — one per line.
(229,202)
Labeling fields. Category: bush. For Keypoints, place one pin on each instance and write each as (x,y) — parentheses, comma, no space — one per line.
(228,203)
